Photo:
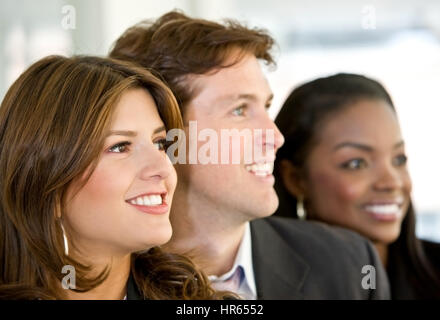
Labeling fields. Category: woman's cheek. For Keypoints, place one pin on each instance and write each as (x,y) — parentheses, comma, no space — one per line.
(100,183)
(108,183)
(335,192)
(351,191)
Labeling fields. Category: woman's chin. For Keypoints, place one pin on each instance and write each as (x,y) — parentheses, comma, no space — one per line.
(386,238)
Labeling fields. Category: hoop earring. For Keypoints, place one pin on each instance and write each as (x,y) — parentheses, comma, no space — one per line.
(66,244)
(300,210)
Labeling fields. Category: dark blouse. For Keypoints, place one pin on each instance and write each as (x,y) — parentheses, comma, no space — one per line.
(132,290)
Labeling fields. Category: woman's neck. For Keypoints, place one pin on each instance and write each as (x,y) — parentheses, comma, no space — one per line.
(382,250)
(114,287)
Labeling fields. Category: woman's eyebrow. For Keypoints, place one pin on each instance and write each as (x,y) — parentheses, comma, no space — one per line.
(361,146)
(130,133)
(355,145)
(127,133)
(159,129)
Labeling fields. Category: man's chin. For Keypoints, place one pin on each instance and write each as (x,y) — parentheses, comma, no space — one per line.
(264,209)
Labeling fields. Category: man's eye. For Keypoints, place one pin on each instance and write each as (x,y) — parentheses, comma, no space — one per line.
(162,144)
(239,111)
(400,160)
(354,164)
(120,147)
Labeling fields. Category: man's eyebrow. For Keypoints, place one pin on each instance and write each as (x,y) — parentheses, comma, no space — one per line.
(253,97)
(269,101)
(362,146)
(245,96)
(399,144)
(270,98)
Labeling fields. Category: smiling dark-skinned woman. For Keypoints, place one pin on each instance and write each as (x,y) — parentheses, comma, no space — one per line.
(344,163)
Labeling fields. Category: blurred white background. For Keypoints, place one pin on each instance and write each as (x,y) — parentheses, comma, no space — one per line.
(394,41)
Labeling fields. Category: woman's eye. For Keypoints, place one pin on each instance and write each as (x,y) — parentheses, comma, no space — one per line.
(239,111)
(120,147)
(400,160)
(162,144)
(354,164)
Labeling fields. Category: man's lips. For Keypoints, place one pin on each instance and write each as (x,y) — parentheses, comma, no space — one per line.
(261,169)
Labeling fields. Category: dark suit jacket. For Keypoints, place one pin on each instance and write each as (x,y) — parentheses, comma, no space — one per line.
(401,276)
(296,259)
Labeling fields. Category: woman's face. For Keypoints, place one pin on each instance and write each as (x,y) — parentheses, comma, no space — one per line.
(356,176)
(124,206)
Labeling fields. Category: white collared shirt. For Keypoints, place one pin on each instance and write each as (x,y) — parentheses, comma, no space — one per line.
(247,289)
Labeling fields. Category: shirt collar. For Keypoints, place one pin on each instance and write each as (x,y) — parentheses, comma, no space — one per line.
(243,259)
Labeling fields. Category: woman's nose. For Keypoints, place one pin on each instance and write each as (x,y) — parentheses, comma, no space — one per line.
(154,164)
(389,179)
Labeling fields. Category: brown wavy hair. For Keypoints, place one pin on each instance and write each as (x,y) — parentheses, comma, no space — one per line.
(176,46)
(52,127)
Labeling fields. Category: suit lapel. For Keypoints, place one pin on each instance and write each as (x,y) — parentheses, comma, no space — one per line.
(279,272)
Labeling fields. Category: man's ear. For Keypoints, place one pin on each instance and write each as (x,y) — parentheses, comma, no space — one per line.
(291,178)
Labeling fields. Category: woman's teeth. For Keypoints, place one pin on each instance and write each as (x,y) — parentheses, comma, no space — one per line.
(152,200)
(383,209)
(260,169)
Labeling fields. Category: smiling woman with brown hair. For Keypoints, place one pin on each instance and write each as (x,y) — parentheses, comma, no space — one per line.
(85,181)
(344,163)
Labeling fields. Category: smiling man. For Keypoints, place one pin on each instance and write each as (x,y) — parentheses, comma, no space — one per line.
(220,213)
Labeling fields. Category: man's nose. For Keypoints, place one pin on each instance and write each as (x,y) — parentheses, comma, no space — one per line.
(271,135)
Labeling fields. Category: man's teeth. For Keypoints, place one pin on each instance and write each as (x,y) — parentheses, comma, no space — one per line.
(383,209)
(152,200)
(260,169)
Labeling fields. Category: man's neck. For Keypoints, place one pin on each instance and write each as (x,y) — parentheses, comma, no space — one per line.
(204,233)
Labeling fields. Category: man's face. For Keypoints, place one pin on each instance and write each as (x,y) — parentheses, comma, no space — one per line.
(235,97)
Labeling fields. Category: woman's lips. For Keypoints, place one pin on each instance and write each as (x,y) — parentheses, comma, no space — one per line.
(385,211)
(152,203)
(156,209)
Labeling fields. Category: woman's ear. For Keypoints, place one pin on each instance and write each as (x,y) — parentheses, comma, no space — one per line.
(291,178)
